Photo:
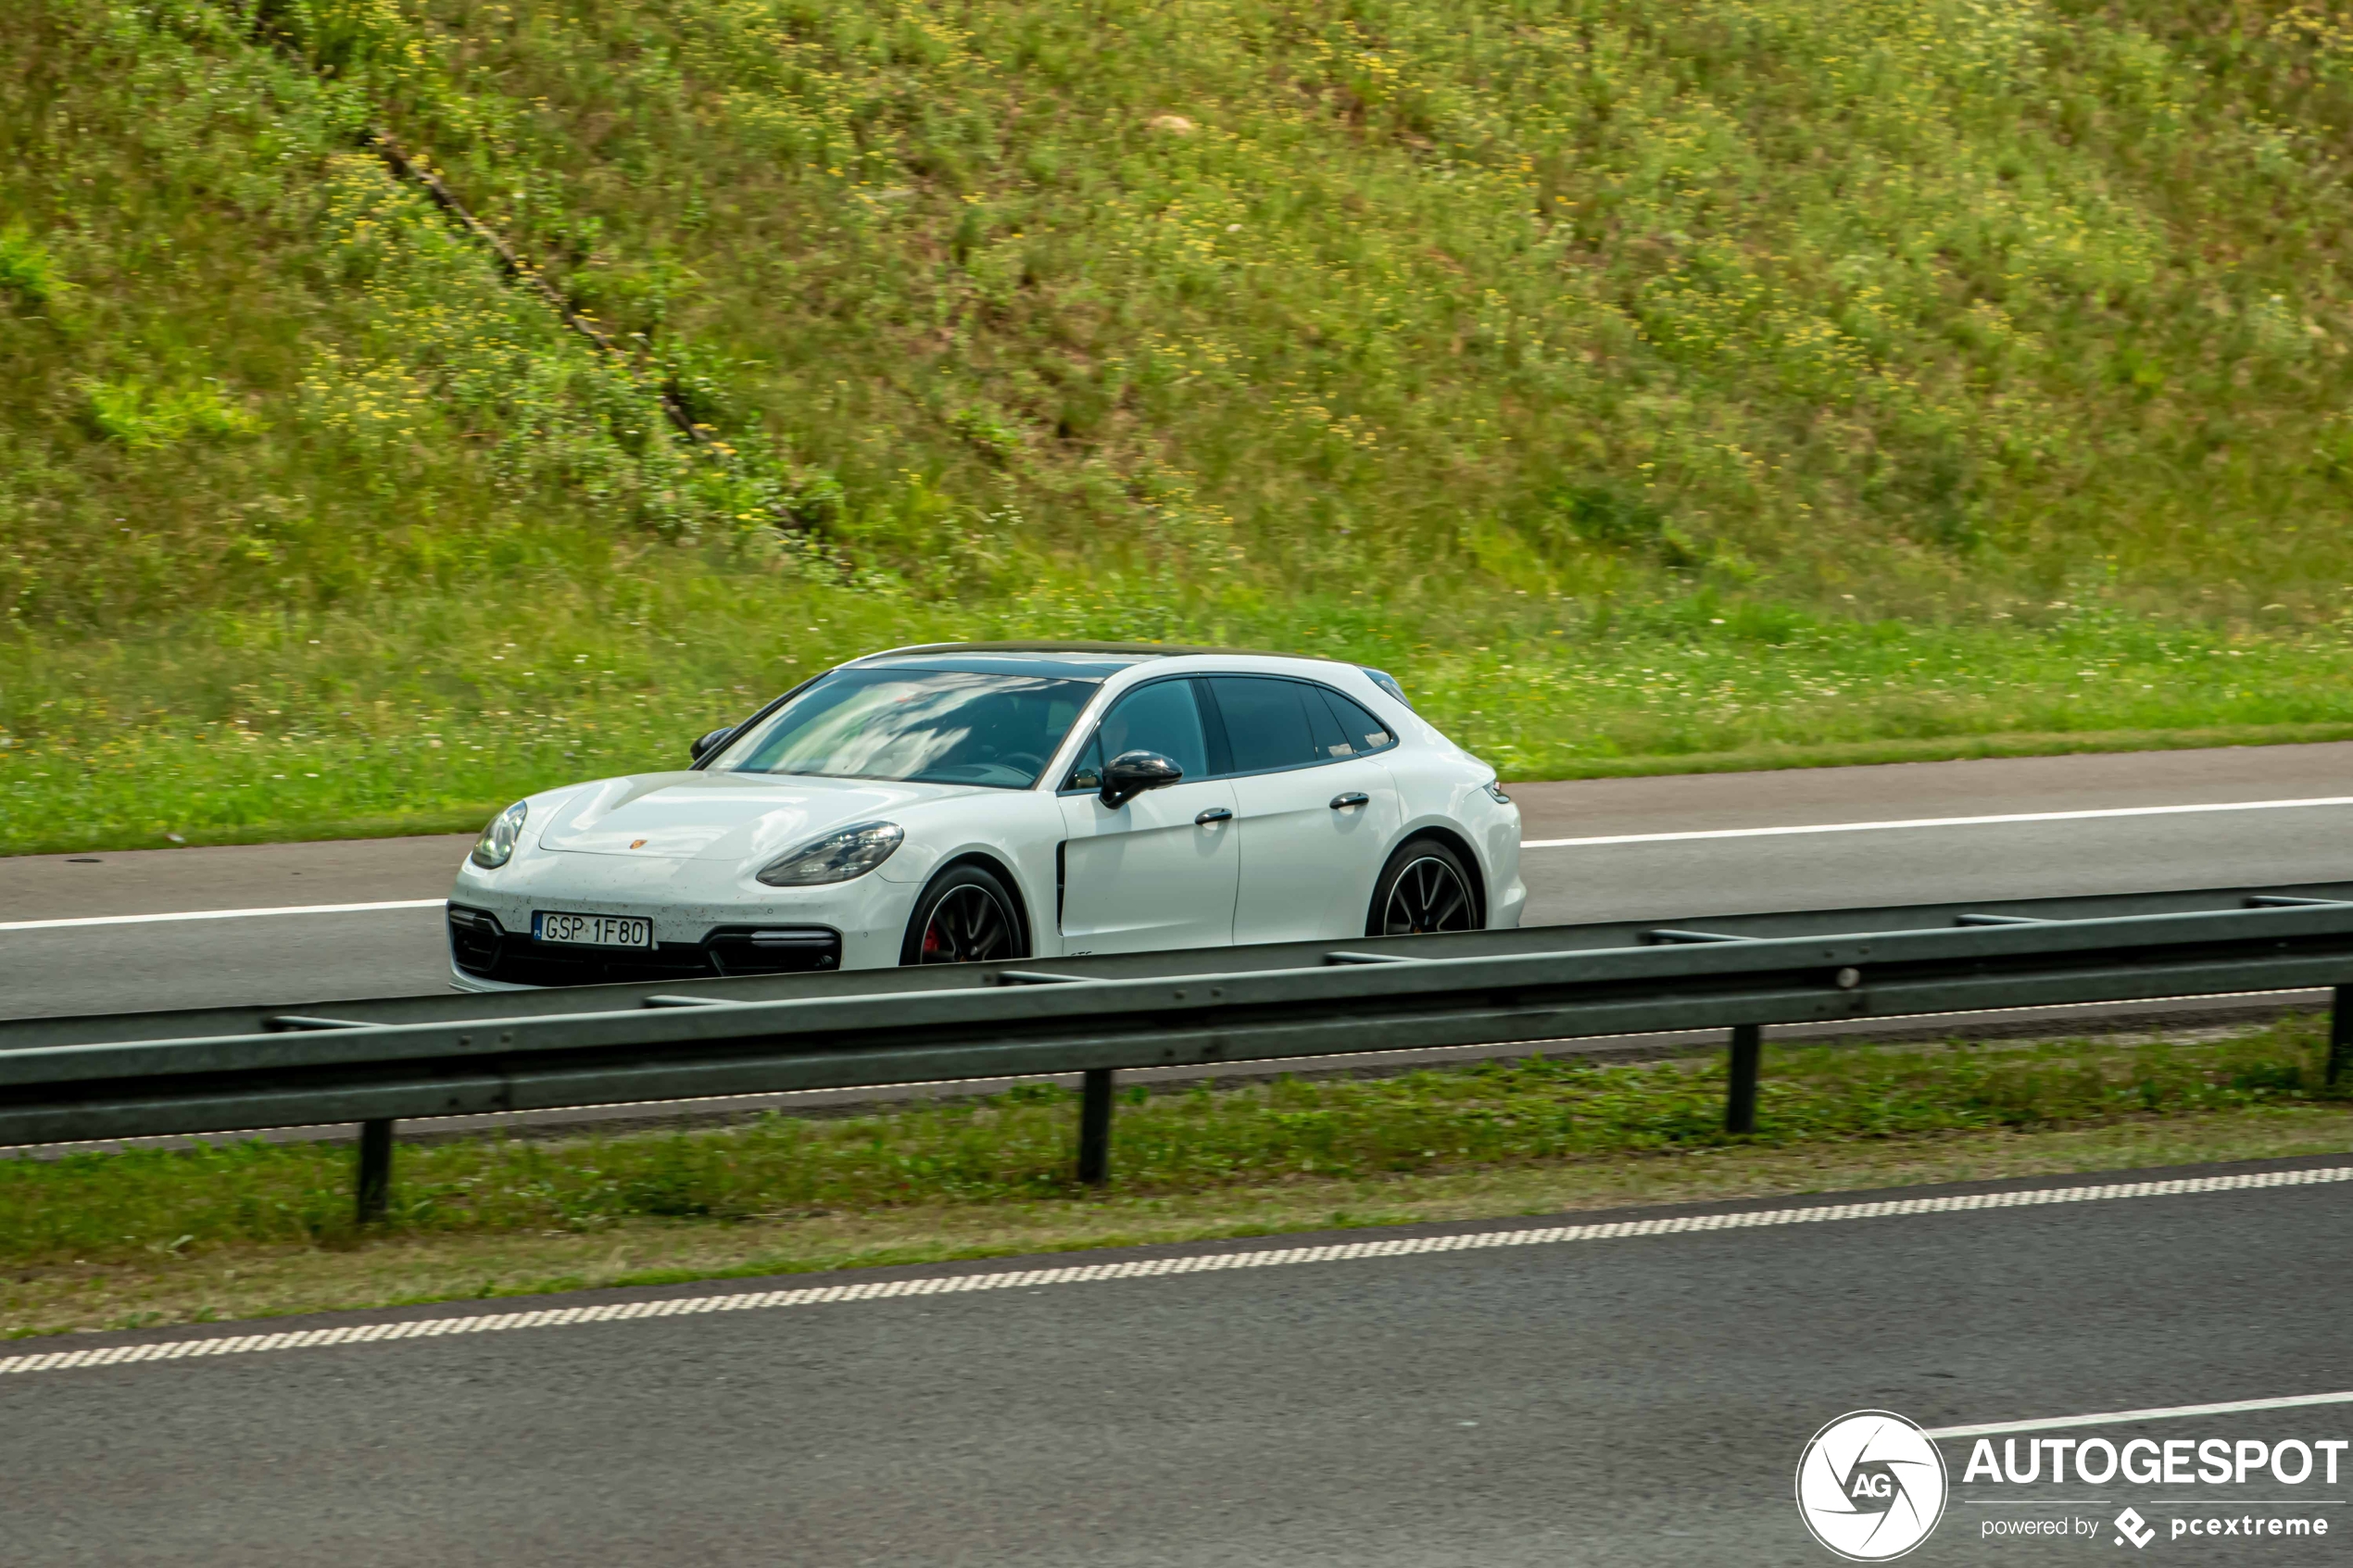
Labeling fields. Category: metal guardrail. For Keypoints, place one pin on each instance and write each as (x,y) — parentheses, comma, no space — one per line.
(374,1063)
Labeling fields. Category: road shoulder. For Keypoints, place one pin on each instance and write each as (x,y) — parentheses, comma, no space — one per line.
(156,1292)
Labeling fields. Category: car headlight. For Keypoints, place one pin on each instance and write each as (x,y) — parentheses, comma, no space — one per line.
(497,844)
(1495,793)
(841,856)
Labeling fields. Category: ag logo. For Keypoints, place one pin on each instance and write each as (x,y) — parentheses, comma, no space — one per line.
(1871,1486)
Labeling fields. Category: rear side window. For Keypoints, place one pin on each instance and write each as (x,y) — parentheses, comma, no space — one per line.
(1162,717)
(1323,728)
(1266,723)
(1359,731)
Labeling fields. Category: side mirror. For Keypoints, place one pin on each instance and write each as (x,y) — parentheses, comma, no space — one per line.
(1131,773)
(709,743)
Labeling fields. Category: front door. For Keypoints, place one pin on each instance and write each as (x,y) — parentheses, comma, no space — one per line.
(1159,871)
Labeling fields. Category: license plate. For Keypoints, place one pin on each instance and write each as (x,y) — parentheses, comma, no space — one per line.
(593,930)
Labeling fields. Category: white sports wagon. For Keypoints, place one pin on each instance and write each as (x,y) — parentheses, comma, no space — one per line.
(971,801)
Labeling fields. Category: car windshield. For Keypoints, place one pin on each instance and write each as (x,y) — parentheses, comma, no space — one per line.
(929,726)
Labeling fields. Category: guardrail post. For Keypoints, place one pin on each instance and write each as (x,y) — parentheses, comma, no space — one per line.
(1740,1096)
(2340,1034)
(1094,1128)
(376,1169)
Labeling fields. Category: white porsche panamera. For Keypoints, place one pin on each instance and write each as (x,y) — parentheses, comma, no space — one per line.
(965,802)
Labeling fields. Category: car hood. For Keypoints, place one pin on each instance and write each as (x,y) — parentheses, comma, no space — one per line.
(721,816)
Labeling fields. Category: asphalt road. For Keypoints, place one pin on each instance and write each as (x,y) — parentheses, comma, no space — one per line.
(309,957)
(1631,1401)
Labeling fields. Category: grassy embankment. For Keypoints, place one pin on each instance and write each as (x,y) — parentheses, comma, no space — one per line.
(128,1239)
(1715,384)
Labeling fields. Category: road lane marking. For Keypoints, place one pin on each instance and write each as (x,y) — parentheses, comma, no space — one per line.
(225,914)
(1937,822)
(2129,1418)
(1527,844)
(1151,1268)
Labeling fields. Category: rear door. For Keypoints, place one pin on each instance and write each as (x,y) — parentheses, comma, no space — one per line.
(1317,813)
(1159,871)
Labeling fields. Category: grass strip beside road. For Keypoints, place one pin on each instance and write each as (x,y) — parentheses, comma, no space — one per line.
(428,715)
(151,1237)
(304,824)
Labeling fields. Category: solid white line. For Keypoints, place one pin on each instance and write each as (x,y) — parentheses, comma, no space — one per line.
(225,914)
(1195,1264)
(2126,1418)
(1527,844)
(1937,822)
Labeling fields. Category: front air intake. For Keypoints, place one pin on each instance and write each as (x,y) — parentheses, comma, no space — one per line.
(481,947)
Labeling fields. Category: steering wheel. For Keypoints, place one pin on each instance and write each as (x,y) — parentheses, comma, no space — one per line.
(1015,759)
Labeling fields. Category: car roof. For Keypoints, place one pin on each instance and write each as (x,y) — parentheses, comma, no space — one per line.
(1108,656)
(1094,668)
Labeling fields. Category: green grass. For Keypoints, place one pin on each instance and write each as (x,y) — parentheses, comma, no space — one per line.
(163,1286)
(1640,384)
(1909,294)
(148,1237)
(430,717)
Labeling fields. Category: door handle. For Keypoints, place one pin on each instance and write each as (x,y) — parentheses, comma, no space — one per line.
(1214,814)
(1354,797)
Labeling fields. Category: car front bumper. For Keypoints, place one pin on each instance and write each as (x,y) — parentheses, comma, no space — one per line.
(704,923)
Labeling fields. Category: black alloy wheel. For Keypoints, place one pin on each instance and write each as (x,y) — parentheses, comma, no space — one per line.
(1424,888)
(966,916)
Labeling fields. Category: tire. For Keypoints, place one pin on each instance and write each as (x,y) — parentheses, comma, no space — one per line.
(966,915)
(1424,887)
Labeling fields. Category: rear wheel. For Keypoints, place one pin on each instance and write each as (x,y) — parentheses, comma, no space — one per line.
(967,915)
(1424,887)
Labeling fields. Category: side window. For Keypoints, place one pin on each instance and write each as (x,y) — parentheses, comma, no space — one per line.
(1359,731)
(1162,717)
(1088,771)
(1265,721)
(1329,740)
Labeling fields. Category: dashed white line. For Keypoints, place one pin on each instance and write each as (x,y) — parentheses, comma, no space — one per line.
(1189,1263)
(226,915)
(1937,822)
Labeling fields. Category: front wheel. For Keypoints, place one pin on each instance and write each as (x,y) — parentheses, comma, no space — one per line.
(1424,887)
(965,916)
